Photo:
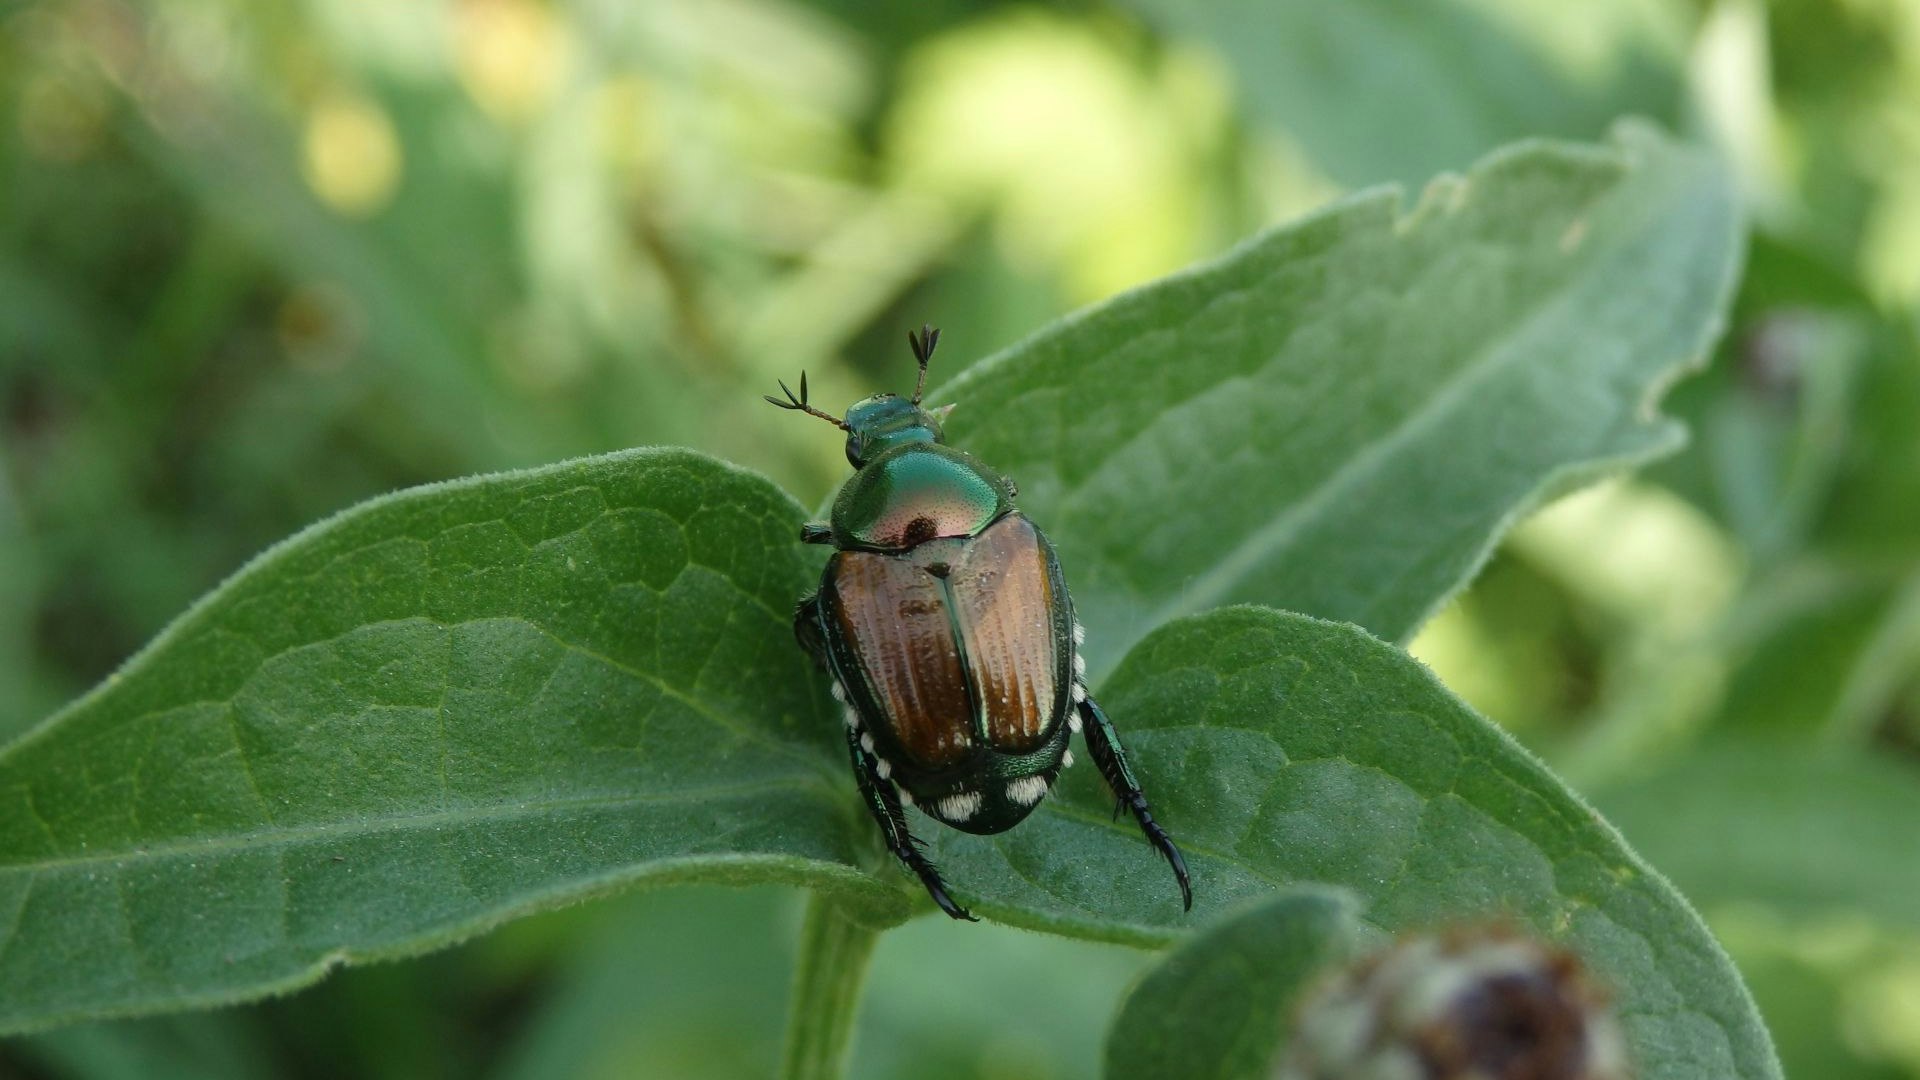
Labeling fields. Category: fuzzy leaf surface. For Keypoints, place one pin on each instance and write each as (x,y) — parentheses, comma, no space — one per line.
(435,711)
(1341,416)
(1281,750)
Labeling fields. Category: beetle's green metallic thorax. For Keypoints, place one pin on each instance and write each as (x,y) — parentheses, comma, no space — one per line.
(917,491)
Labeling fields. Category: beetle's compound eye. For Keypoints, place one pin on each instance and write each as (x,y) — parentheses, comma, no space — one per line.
(856,451)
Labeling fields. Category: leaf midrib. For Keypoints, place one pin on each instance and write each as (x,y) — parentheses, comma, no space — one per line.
(1498,356)
(366,826)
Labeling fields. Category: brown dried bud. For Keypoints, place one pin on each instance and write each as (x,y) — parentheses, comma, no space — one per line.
(1485,1003)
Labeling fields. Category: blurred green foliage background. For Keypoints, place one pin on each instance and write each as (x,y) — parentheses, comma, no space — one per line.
(258,262)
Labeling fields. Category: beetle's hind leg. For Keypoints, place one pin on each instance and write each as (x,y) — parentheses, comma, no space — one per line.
(883,802)
(1104,744)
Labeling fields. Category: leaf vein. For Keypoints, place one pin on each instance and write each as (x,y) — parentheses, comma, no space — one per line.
(289,835)
(750,734)
(19,915)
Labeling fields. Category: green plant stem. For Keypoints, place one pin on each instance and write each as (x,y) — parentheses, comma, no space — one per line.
(834,954)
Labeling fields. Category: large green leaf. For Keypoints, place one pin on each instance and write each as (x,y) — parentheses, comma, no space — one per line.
(438,710)
(1280,749)
(1216,1007)
(1341,416)
(1811,831)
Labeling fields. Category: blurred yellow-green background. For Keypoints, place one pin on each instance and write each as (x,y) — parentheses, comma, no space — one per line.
(259,262)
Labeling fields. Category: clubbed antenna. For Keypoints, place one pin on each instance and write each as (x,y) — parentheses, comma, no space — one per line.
(799,404)
(922,345)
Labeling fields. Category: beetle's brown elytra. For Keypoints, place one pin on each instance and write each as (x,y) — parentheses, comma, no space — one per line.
(944,620)
(1003,592)
(957,639)
(894,617)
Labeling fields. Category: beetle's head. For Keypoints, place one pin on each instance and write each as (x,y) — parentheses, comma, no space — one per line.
(883,421)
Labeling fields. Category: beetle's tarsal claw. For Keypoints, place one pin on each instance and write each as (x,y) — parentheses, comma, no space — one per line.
(1164,843)
(1104,745)
(1157,836)
(946,903)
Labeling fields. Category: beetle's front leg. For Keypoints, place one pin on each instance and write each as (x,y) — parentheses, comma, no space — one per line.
(883,802)
(816,532)
(806,630)
(1104,744)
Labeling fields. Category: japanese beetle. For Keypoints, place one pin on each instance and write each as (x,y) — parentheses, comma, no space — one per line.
(944,621)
